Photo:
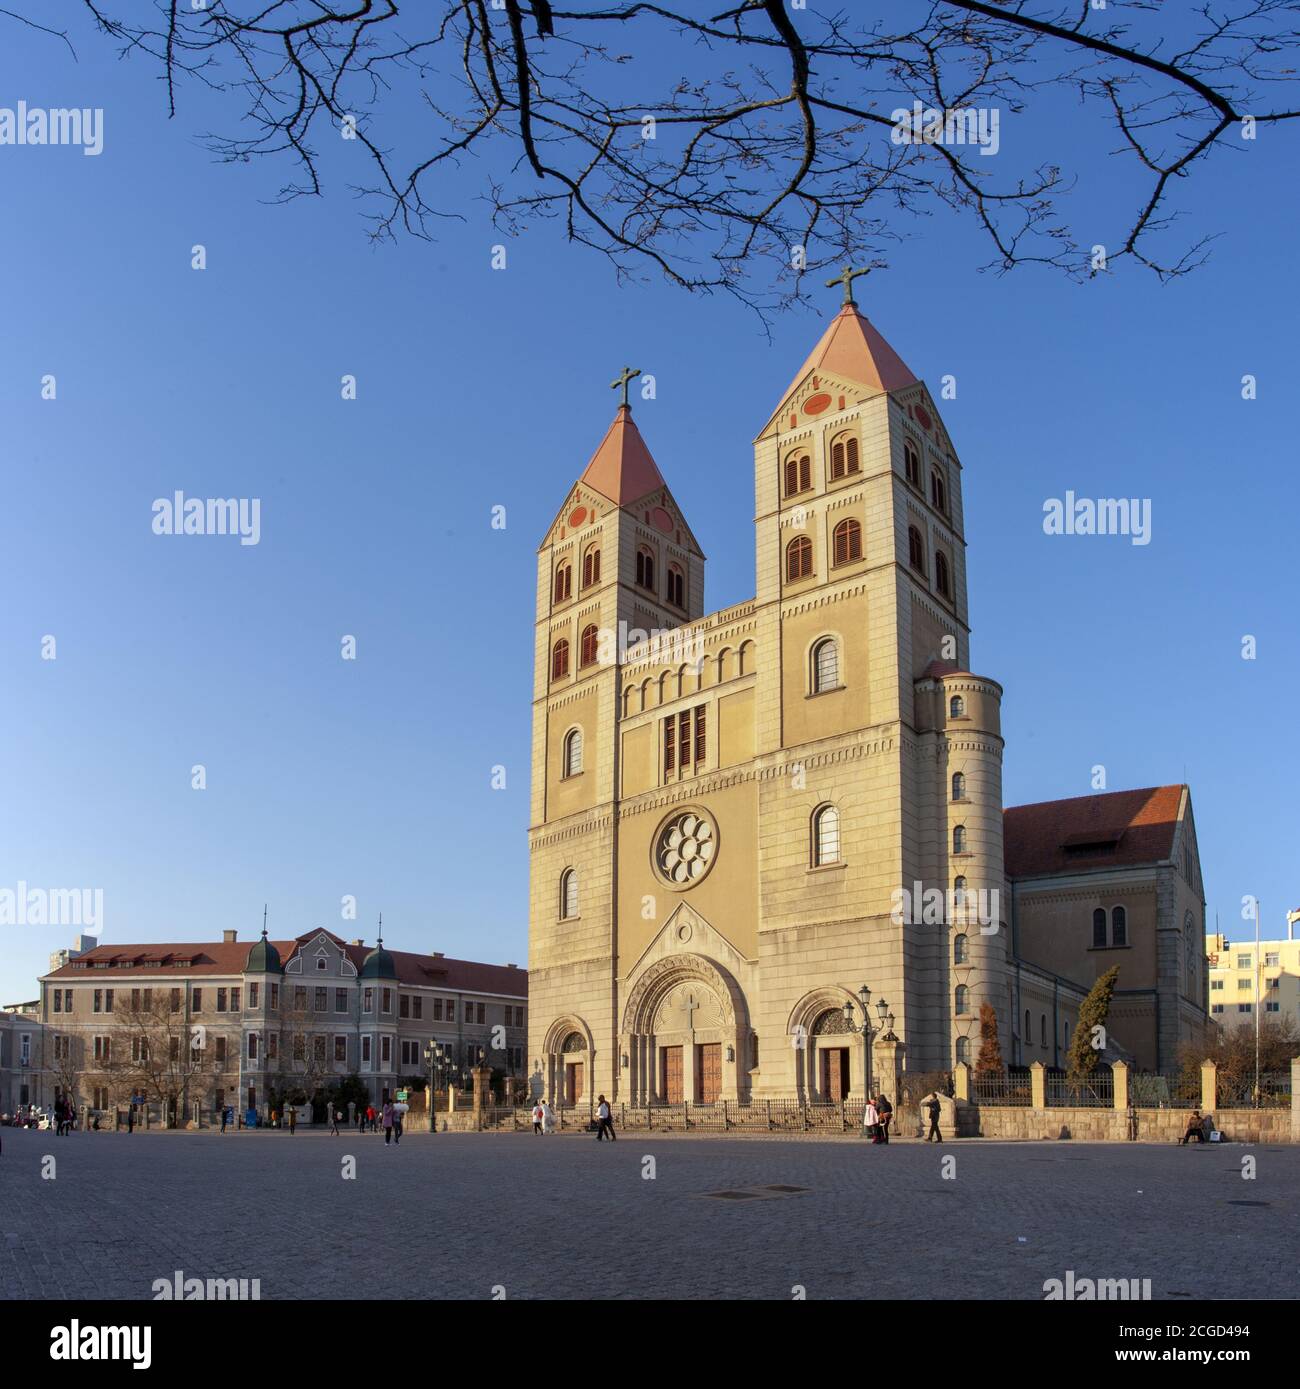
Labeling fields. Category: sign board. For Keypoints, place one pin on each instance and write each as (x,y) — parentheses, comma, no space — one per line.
(403,1095)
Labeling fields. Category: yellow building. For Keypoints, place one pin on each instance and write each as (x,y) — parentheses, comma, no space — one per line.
(1244,979)
(740,818)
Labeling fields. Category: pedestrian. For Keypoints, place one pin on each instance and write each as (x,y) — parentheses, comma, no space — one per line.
(932,1109)
(605,1121)
(130,1116)
(871,1121)
(548,1118)
(388,1121)
(399,1109)
(886,1112)
(370,1117)
(1195,1128)
(539,1115)
(224,1113)
(293,1118)
(334,1124)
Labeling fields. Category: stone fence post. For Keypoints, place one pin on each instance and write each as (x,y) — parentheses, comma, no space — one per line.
(1295,1099)
(1038,1085)
(1209,1087)
(961,1081)
(1119,1069)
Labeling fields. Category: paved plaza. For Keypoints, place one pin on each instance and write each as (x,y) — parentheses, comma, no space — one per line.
(459,1215)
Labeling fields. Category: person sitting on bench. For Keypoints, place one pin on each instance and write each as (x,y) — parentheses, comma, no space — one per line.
(1194,1128)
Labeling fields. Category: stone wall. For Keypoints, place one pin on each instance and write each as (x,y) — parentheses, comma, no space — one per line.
(1112,1125)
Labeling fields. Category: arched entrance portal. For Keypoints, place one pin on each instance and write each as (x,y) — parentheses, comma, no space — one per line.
(567,1063)
(829,1053)
(686,1034)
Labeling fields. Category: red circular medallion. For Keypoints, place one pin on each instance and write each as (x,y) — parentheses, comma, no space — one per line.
(662,520)
(816,404)
(922,417)
(577,516)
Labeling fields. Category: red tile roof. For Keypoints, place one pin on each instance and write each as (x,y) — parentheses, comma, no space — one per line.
(622,468)
(230,957)
(852,348)
(1116,829)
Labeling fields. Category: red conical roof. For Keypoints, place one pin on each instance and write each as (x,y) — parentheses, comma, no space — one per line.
(851,348)
(621,468)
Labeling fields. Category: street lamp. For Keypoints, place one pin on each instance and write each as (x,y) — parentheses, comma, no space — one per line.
(885,1020)
(436,1060)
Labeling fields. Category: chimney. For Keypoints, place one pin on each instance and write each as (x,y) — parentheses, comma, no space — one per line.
(438,955)
(512,966)
(358,941)
(229,937)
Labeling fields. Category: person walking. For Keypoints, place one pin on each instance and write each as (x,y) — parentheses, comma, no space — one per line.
(548,1118)
(871,1121)
(130,1116)
(293,1118)
(224,1114)
(932,1109)
(885,1111)
(539,1114)
(605,1121)
(334,1122)
(399,1109)
(388,1121)
(370,1118)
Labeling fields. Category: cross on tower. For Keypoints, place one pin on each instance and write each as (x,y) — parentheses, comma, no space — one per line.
(629,374)
(846,278)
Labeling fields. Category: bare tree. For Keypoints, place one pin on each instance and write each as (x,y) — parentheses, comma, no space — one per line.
(168,1059)
(777,136)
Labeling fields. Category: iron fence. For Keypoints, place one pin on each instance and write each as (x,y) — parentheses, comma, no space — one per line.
(1096,1091)
(1010,1088)
(1164,1090)
(1240,1092)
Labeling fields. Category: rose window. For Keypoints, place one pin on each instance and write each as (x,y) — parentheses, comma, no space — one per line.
(686,848)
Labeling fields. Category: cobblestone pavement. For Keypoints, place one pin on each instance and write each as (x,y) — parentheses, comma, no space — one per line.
(458,1215)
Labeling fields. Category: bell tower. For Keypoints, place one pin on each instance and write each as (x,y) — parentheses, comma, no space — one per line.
(617,566)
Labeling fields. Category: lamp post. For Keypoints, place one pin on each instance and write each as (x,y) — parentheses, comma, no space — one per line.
(885,1019)
(436,1060)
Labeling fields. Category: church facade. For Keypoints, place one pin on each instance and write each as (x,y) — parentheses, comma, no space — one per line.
(740,818)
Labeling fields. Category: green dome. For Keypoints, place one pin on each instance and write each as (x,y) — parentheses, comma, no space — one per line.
(378,964)
(264,958)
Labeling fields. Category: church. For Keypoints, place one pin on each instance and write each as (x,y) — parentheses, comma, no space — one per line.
(769,857)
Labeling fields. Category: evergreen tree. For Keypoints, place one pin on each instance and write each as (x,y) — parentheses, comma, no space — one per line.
(1093,1012)
(989,1061)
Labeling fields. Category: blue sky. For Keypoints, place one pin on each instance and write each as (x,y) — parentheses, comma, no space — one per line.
(479,388)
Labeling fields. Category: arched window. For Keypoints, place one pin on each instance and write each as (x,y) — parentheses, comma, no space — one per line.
(958,890)
(915,550)
(1118,926)
(844,456)
(963,1050)
(1029,1029)
(942,579)
(912,462)
(825,836)
(956,707)
(798,474)
(938,492)
(676,586)
(1099,928)
(645,569)
(963,999)
(798,558)
(848,542)
(568,894)
(1042,1028)
(825,665)
(563,582)
(959,839)
(959,956)
(573,752)
(559,659)
(958,786)
(591,567)
(590,645)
